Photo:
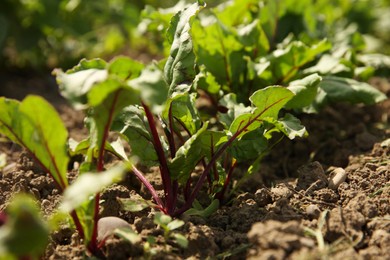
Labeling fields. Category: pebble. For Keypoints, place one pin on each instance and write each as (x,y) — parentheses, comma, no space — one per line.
(313,211)
(107,225)
(45,204)
(337,176)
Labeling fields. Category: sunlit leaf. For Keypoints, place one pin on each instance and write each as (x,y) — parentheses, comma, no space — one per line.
(180,64)
(88,184)
(35,124)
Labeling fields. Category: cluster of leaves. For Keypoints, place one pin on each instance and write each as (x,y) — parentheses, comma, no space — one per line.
(255,76)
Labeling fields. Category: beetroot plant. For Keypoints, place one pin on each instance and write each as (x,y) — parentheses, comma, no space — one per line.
(255,84)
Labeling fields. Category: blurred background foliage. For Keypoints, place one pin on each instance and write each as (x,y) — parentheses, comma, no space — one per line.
(44,34)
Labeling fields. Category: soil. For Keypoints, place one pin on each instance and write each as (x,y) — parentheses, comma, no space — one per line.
(323,197)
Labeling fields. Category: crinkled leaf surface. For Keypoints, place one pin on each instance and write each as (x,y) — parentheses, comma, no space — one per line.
(131,123)
(36,125)
(182,108)
(180,64)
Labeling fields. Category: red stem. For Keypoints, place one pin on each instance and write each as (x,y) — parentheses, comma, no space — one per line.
(93,244)
(221,194)
(165,176)
(171,131)
(149,187)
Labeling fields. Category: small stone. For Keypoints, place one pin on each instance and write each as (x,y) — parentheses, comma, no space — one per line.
(337,176)
(313,211)
(45,204)
(107,225)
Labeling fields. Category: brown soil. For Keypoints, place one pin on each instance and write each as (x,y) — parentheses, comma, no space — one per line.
(334,184)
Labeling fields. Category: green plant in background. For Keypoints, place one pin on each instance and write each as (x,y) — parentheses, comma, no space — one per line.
(41,34)
(255,74)
(46,33)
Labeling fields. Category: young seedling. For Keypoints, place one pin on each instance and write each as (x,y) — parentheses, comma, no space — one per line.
(169,225)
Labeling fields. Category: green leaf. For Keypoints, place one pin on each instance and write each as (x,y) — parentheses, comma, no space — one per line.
(285,63)
(152,87)
(24,234)
(85,64)
(206,81)
(252,35)
(124,68)
(249,146)
(88,184)
(107,99)
(188,156)
(36,125)
(234,109)
(199,146)
(267,102)
(162,219)
(180,240)
(233,13)
(128,234)
(180,64)
(74,86)
(135,204)
(290,126)
(219,50)
(182,107)
(305,91)
(131,123)
(343,89)
(197,210)
(175,224)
